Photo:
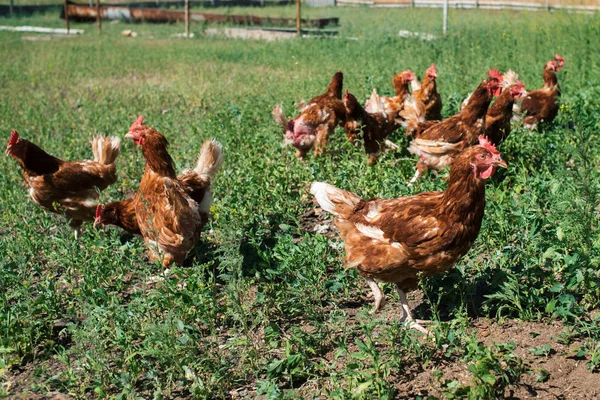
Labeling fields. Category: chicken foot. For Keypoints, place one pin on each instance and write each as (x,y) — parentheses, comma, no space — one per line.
(414,178)
(420,169)
(407,316)
(391,145)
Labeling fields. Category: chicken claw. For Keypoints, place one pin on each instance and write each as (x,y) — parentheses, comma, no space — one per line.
(407,316)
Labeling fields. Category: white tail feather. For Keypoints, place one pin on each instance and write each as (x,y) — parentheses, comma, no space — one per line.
(375,104)
(466,101)
(339,202)
(509,78)
(210,159)
(106,149)
(415,85)
(278,115)
(433,147)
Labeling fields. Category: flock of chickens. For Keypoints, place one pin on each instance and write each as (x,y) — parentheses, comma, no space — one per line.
(169,210)
(386,240)
(400,240)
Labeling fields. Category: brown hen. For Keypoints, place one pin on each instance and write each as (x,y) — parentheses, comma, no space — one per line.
(542,105)
(394,106)
(499,115)
(440,143)
(374,127)
(169,217)
(196,182)
(401,240)
(429,96)
(317,119)
(66,187)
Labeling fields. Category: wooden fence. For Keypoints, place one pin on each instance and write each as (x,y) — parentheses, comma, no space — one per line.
(576,5)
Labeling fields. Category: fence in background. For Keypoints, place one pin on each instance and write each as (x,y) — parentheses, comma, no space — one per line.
(30,6)
(575,5)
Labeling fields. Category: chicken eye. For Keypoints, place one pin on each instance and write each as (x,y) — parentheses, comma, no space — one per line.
(482,156)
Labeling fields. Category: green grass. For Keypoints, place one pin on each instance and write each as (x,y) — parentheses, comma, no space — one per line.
(265,306)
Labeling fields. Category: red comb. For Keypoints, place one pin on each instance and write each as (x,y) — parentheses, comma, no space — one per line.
(138,122)
(489,146)
(559,58)
(494,73)
(14,137)
(98,211)
(432,70)
(347,95)
(409,74)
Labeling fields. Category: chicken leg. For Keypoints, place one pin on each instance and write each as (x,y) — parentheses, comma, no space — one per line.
(76,225)
(407,316)
(378,295)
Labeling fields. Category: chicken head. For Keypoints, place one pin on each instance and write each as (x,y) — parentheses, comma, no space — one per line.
(486,159)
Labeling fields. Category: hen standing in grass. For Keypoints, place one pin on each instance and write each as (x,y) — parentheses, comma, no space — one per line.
(316,121)
(499,115)
(170,216)
(542,105)
(427,94)
(196,182)
(375,127)
(440,143)
(393,106)
(66,187)
(400,240)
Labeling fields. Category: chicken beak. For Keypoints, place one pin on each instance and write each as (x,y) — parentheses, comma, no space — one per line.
(501,163)
(129,135)
(7,152)
(97,222)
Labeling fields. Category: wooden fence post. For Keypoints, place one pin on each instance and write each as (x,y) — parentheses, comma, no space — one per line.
(67,15)
(187,18)
(11,6)
(298,27)
(98,16)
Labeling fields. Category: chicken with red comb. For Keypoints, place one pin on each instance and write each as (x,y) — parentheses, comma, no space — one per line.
(66,187)
(542,105)
(169,214)
(392,106)
(499,115)
(401,240)
(560,61)
(439,143)
(429,96)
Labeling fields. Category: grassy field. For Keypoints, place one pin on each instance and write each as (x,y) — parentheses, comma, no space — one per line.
(265,308)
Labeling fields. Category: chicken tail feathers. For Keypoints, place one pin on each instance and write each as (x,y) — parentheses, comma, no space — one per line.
(412,115)
(106,149)
(340,203)
(425,148)
(210,159)
(279,116)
